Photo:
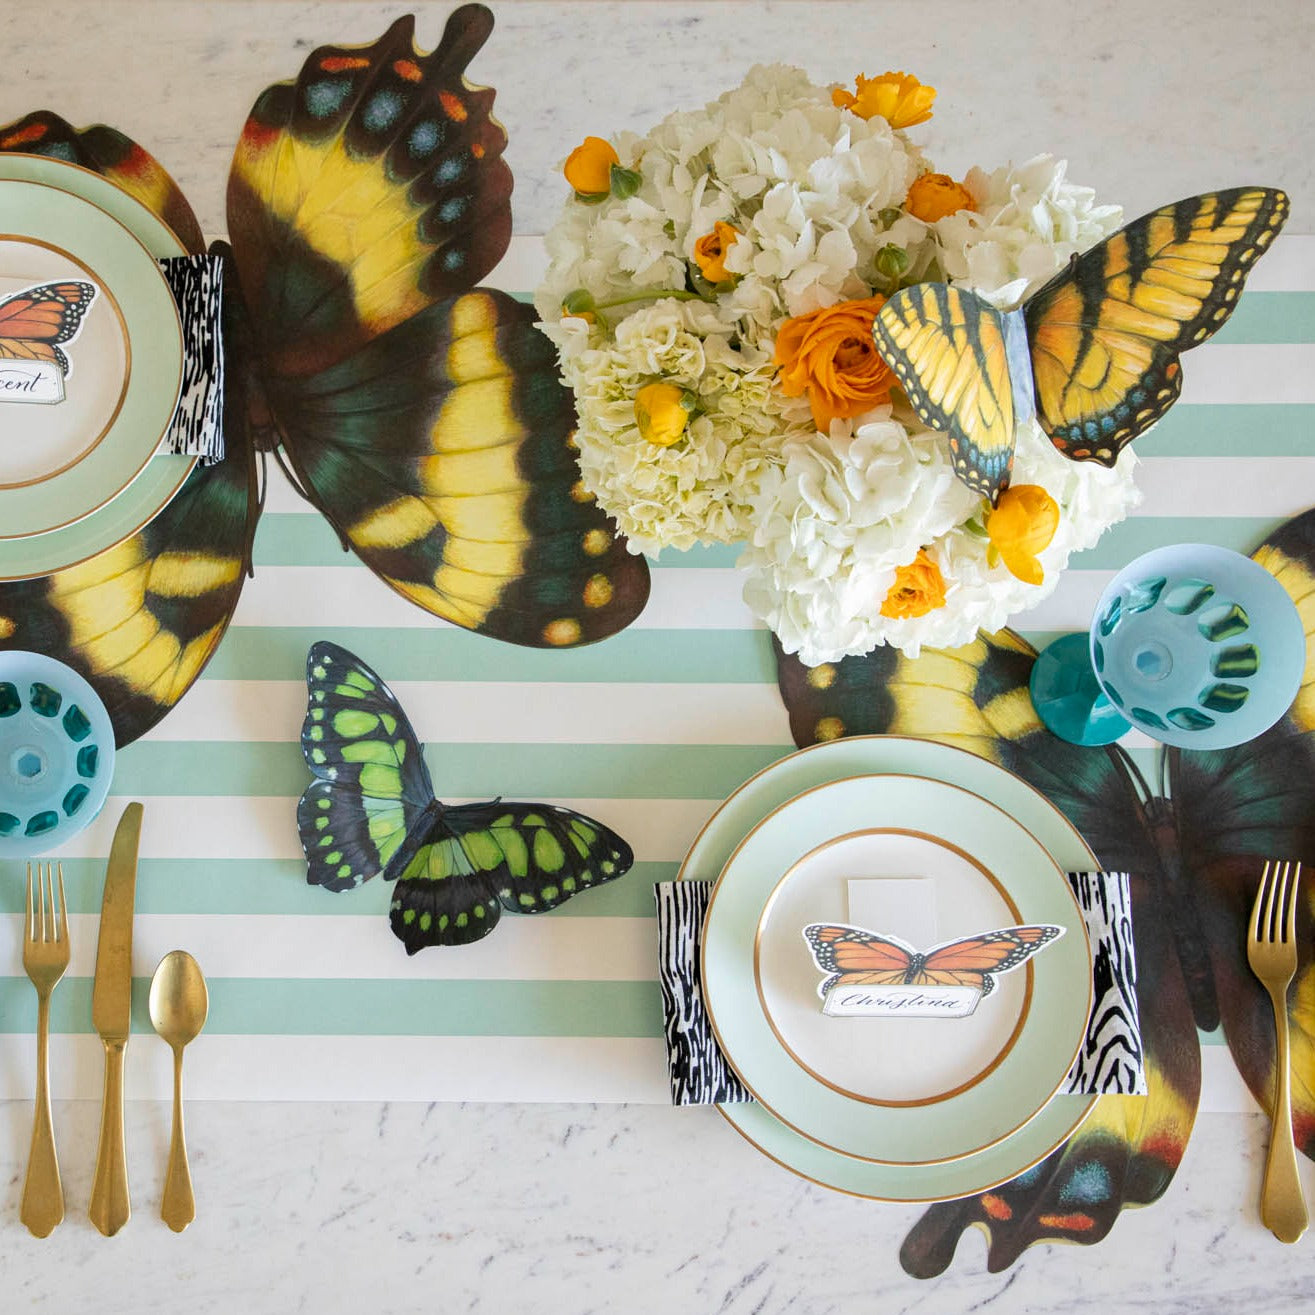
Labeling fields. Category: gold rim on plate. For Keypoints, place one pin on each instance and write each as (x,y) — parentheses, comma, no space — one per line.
(190,461)
(967,1084)
(729,1110)
(103,289)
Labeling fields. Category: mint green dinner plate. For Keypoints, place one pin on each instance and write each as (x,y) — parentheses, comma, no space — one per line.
(852,756)
(991,1094)
(163,475)
(137,403)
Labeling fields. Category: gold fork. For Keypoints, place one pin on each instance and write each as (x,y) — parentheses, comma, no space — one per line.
(1272,954)
(45,957)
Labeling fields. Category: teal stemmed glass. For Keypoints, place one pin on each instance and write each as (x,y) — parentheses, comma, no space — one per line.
(1196,646)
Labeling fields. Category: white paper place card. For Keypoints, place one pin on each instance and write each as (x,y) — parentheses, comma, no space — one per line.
(905,906)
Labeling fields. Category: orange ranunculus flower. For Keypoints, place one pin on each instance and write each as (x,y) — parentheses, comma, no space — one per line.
(710,252)
(899,98)
(1020,525)
(830,355)
(933,196)
(919,588)
(588,168)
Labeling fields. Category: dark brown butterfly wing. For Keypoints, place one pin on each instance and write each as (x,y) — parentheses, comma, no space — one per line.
(107,151)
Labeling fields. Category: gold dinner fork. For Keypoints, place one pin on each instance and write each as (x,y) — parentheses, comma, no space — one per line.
(1272,954)
(45,957)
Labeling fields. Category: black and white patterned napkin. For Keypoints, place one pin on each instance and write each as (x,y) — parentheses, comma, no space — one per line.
(197,429)
(1110,1061)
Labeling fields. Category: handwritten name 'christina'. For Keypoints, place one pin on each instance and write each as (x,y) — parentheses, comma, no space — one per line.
(897,1000)
(14,379)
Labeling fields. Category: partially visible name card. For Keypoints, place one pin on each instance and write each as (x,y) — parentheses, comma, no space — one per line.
(31,381)
(900,1001)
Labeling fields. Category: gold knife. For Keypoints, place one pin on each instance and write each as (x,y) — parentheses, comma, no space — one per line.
(111,1014)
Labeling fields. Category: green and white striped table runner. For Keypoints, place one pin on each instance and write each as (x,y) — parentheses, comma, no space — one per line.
(311,995)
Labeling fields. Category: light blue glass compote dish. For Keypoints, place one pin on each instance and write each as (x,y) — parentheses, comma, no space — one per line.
(1196,646)
(56,753)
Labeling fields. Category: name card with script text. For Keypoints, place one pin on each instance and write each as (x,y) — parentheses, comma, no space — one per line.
(41,382)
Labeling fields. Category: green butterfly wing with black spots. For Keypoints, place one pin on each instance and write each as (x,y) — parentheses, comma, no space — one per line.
(481,858)
(372,791)
(371,811)
(421,414)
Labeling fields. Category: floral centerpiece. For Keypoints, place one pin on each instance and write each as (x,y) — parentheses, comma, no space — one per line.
(712,288)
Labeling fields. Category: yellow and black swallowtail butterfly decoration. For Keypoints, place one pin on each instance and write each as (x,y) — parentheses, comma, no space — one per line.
(1094,354)
(420,413)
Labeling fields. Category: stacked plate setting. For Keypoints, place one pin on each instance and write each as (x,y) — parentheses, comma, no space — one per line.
(897,1109)
(80,475)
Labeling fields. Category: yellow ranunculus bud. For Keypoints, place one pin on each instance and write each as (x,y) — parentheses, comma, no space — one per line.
(1021,525)
(662,413)
(899,98)
(710,252)
(933,196)
(588,168)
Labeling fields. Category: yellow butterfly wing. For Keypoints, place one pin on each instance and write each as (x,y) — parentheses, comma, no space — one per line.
(947,348)
(1106,333)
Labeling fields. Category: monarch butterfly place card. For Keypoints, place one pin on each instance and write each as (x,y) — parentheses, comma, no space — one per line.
(878,975)
(38,325)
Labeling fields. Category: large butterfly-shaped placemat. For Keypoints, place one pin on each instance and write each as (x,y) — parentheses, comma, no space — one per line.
(421,414)
(371,811)
(1195,849)
(1094,353)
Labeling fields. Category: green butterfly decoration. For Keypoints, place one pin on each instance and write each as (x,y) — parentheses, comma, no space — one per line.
(371,809)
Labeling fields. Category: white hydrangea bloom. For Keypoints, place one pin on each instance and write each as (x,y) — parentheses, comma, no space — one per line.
(802,182)
(1030,220)
(814,193)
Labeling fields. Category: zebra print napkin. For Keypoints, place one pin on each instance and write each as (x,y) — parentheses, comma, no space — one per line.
(197,429)
(1110,1061)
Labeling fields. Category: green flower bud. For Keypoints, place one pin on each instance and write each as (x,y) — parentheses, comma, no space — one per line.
(625,182)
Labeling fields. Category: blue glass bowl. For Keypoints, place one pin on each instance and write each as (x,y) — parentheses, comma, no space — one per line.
(56,753)
(1198,646)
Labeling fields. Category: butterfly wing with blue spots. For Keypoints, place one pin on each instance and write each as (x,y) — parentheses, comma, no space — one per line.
(1107,331)
(421,414)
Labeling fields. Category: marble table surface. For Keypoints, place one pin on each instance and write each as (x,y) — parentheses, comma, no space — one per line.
(556,1208)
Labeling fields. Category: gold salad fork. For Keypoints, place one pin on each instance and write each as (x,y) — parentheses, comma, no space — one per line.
(45,957)
(1272,954)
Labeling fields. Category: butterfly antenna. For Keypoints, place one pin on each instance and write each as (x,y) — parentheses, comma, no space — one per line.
(288,465)
(257,488)
(1132,773)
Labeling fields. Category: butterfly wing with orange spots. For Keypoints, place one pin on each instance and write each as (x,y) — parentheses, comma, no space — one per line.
(107,151)
(420,413)
(1194,851)
(34,322)
(1124,1155)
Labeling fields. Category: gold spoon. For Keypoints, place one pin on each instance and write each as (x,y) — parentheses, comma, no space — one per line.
(179,1004)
